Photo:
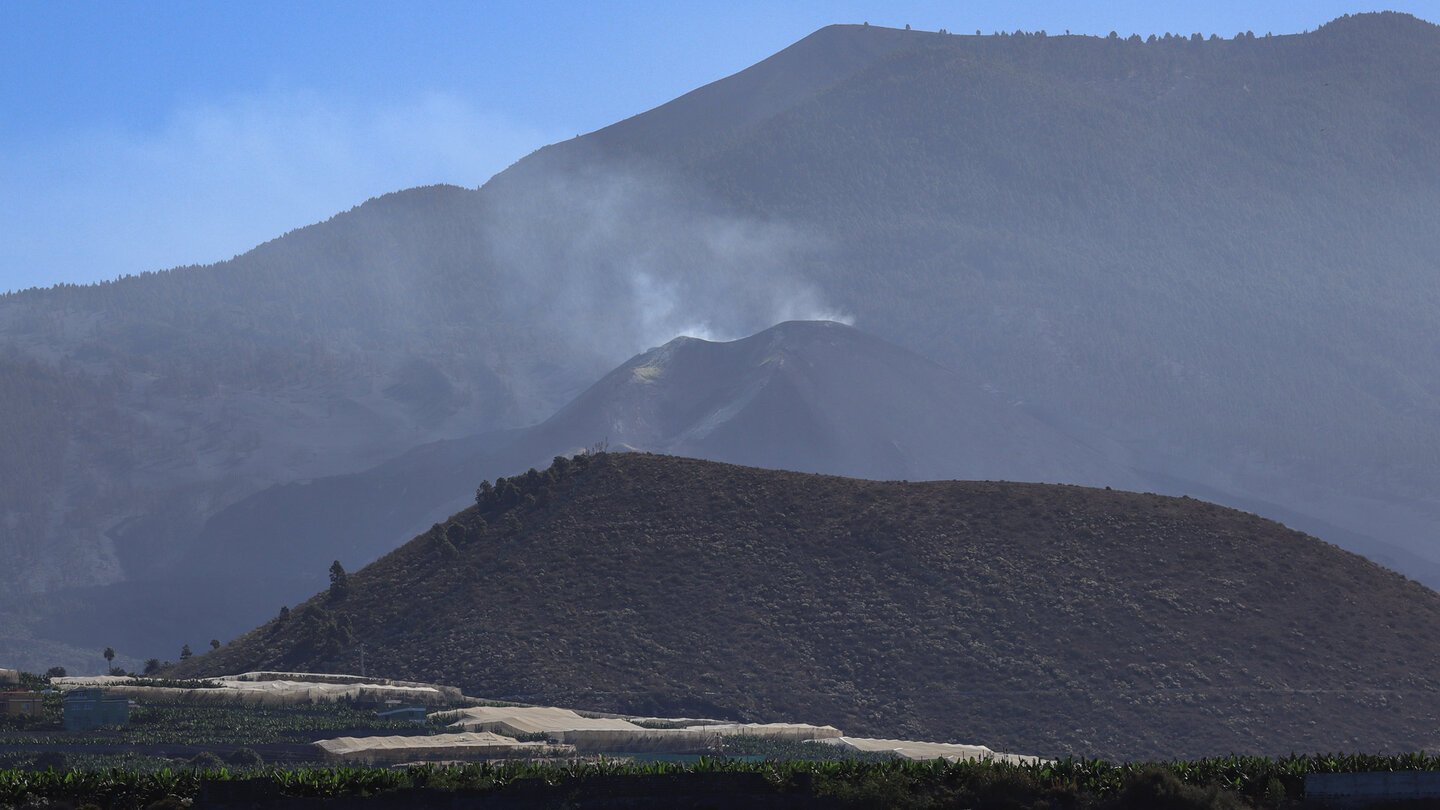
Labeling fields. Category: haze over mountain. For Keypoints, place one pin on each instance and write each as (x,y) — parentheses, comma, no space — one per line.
(822,397)
(1219,254)
(808,396)
(1054,619)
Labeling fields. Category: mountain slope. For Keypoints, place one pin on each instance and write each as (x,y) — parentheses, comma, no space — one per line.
(1218,254)
(822,397)
(809,396)
(1054,619)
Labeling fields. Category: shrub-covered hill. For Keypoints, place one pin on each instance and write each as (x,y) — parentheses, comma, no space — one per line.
(1045,619)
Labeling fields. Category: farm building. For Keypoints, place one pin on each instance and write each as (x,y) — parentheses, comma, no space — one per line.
(27,703)
(87,709)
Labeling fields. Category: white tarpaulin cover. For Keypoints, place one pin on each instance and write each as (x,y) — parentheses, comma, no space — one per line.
(953,752)
(532,720)
(778,731)
(489,731)
(275,689)
(586,734)
(467,745)
(618,735)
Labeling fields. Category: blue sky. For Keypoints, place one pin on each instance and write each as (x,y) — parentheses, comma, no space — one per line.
(142,136)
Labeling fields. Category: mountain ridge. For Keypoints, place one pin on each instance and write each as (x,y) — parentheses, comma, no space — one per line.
(1217,254)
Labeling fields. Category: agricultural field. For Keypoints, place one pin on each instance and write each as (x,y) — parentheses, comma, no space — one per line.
(180,754)
(177,754)
(160,724)
(159,735)
(1225,782)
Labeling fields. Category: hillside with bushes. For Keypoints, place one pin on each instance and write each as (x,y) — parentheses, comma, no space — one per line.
(1048,619)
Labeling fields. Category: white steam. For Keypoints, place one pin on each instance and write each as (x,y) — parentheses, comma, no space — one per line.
(642,258)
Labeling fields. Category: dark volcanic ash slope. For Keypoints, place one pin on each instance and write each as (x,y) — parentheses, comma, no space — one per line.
(1039,618)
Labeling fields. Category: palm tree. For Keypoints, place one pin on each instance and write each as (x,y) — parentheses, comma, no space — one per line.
(109,658)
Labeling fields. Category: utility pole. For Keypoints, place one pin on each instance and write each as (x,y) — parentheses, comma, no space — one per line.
(362,659)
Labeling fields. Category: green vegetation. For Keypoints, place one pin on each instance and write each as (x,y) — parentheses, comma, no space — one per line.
(198,725)
(1228,244)
(175,683)
(658,723)
(1228,782)
(339,581)
(158,724)
(21,760)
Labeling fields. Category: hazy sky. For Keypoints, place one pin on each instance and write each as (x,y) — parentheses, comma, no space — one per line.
(142,136)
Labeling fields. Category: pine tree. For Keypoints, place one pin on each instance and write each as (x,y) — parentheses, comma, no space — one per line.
(339,581)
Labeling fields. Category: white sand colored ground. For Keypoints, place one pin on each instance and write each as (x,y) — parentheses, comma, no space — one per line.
(463,746)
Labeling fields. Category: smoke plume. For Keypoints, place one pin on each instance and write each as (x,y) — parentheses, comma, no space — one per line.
(645,257)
